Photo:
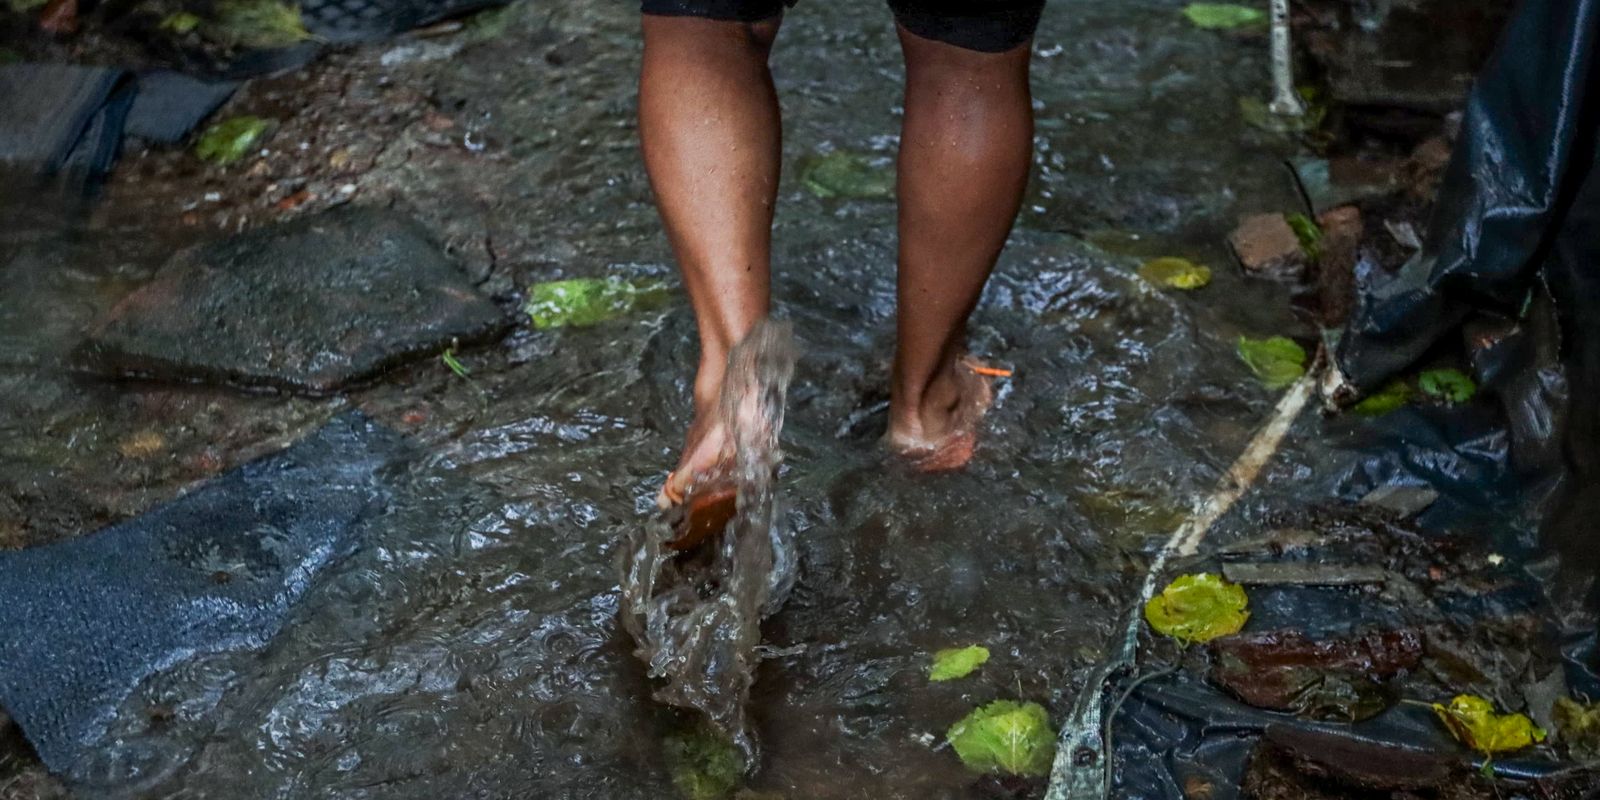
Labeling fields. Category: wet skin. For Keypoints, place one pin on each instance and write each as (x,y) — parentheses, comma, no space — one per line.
(710,132)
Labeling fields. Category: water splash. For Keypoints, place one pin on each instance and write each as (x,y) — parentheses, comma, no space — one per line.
(696,616)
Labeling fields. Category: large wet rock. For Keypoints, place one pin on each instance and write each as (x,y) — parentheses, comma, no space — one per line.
(309,306)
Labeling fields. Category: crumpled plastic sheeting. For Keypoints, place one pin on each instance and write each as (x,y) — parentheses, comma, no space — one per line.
(82,622)
(1513,252)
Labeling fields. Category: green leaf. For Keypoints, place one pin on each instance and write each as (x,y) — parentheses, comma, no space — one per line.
(261,24)
(229,140)
(1579,725)
(1392,396)
(455,365)
(703,765)
(1449,385)
(1007,736)
(24,6)
(1175,273)
(1308,232)
(1276,362)
(1473,721)
(588,301)
(851,176)
(180,22)
(958,662)
(1223,16)
(1198,608)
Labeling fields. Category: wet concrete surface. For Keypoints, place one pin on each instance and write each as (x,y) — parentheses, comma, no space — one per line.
(470,646)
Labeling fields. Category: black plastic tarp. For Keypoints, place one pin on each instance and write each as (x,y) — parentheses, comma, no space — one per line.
(1511,263)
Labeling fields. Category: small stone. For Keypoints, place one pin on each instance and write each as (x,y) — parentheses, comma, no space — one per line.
(141,445)
(1266,245)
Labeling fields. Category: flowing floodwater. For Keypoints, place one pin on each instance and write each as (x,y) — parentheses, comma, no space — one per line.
(471,646)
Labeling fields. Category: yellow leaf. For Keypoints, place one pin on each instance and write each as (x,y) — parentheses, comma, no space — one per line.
(1198,608)
(1473,721)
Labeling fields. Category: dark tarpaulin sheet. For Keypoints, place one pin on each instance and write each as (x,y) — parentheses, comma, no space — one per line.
(82,622)
(1512,264)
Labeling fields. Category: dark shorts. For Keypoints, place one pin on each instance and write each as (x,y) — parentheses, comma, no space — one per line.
(989,26)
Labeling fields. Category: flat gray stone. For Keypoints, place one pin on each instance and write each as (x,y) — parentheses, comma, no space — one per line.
(309,306)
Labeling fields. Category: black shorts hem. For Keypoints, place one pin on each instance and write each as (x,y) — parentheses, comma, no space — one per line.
(721,10)
(986,31)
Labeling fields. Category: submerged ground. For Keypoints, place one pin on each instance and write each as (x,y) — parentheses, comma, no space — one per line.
(469,647)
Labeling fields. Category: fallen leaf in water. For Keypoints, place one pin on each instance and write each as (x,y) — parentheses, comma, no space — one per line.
(957,662)
(263,24)
(1392,396)
(1223,16)
(1276,362)
(1448,385)
(589,301)
(143,444)
(1257,113)
(1175,273)
(179,22)
(1198,608)
(848,175)
(1005,735)
(229,140)
(1473,721)
(455,365)
(1579,726)
(703,765)
(1308,232)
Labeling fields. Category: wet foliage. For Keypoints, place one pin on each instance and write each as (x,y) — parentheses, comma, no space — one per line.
(1198,608)
(1008,736)
(1276,361)
(958,662)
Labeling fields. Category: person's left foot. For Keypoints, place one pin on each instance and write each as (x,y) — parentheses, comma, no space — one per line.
(943,435)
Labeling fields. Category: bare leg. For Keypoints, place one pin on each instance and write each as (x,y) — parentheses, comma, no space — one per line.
(964,154)
(709,129)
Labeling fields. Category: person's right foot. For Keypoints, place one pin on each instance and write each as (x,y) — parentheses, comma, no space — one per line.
(942,434)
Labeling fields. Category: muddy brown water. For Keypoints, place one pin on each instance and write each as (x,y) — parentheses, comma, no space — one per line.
(470,648)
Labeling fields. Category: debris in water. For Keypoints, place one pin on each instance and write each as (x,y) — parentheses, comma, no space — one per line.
(455,365)
(1392,396)
(1256,113)
(1005,735)
(1175,273)
(180,22)
(1266,244)
(1276,361)
(1223,16)
(580,302)
(704,765)
(1198,608)
(1473,721)
(1447,385)
(1579,727)
(257,24)
(1338,679)
(229,140)
(141,445)
(1308,232)
(850,176)
(695,617)
(957,662)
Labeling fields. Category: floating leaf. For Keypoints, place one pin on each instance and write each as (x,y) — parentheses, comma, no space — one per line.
(180,22)
(1276,362)
(228,140)
(1473,721)
(1392,396)
(588,301)
(1005,735)
(1579,725)
(257,23)
(1222,16)
(848,175)
(1198,608)
(1449,385)
(455,365)
(1308,232)
(958,662)
(24,6)
(703,765)
(1175,273)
